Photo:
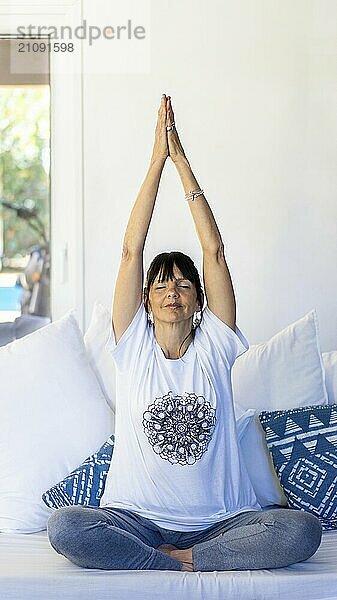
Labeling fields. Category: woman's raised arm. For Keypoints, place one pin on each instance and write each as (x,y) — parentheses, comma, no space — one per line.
(129,282)
(217,280)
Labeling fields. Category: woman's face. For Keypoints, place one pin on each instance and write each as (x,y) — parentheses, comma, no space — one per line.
(173,301)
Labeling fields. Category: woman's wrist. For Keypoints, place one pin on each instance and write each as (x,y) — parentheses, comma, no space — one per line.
(182,164)
(181,160)
(158,161)
(187,176)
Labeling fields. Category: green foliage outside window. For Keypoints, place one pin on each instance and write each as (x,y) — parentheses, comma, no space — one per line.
(24,163)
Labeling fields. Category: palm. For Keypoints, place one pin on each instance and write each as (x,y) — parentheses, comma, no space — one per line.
(160,148)
(176,150)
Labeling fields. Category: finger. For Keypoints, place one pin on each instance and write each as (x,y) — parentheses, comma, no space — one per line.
(169,113)
(170,109)
(162,107)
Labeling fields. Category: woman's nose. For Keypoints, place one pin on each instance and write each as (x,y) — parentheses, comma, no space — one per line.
(172,292)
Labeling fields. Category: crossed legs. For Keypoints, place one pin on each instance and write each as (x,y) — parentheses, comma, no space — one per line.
(107,538)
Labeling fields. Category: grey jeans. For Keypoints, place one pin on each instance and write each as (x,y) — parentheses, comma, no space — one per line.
(113,538)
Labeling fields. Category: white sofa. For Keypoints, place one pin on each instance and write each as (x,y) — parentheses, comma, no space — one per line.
(30,569)
(57,406)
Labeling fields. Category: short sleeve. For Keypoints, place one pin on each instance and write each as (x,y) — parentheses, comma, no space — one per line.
(131,342)
(229,343)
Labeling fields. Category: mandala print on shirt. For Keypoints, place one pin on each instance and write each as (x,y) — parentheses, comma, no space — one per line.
(179,428)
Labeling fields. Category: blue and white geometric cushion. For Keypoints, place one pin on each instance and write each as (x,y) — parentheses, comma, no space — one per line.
(303,446)
(85,485)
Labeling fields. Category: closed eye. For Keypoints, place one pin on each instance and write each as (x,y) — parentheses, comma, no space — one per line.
(160,287)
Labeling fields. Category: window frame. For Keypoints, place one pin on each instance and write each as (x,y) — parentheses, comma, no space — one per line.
(66,141)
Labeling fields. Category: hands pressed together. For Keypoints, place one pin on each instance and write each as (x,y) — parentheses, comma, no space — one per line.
(167,142)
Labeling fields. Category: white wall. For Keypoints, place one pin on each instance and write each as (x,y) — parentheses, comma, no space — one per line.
(254,88)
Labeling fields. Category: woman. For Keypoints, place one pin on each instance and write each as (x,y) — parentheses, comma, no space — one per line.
(177,495)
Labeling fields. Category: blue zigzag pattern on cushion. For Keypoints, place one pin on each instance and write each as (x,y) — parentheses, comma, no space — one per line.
(85,485)
(303,446)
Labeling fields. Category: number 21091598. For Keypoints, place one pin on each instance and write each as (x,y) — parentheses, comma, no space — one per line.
(46,47)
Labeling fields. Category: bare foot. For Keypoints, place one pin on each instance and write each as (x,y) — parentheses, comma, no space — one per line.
(167,548)
(185,556)
(187,567)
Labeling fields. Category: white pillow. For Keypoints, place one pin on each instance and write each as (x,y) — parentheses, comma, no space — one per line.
(53,415)
(95,340)
(259,465)
(257,459)
(330,366)
(285,372)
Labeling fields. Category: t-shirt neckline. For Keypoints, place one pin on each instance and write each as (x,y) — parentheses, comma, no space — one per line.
(171,360)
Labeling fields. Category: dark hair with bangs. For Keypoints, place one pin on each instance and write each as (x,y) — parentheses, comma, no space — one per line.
(163,265)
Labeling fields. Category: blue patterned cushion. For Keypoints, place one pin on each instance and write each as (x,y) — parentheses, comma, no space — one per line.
(84,485)
(303,445)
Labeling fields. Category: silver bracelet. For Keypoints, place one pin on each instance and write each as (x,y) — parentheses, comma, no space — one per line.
(194,194)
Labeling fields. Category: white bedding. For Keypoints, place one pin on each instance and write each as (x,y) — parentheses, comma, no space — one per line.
(31,569)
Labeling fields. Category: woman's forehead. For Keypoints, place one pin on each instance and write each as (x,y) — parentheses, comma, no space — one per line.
(177,274)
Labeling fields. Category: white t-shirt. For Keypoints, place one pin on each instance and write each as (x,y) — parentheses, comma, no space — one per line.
(176,459)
